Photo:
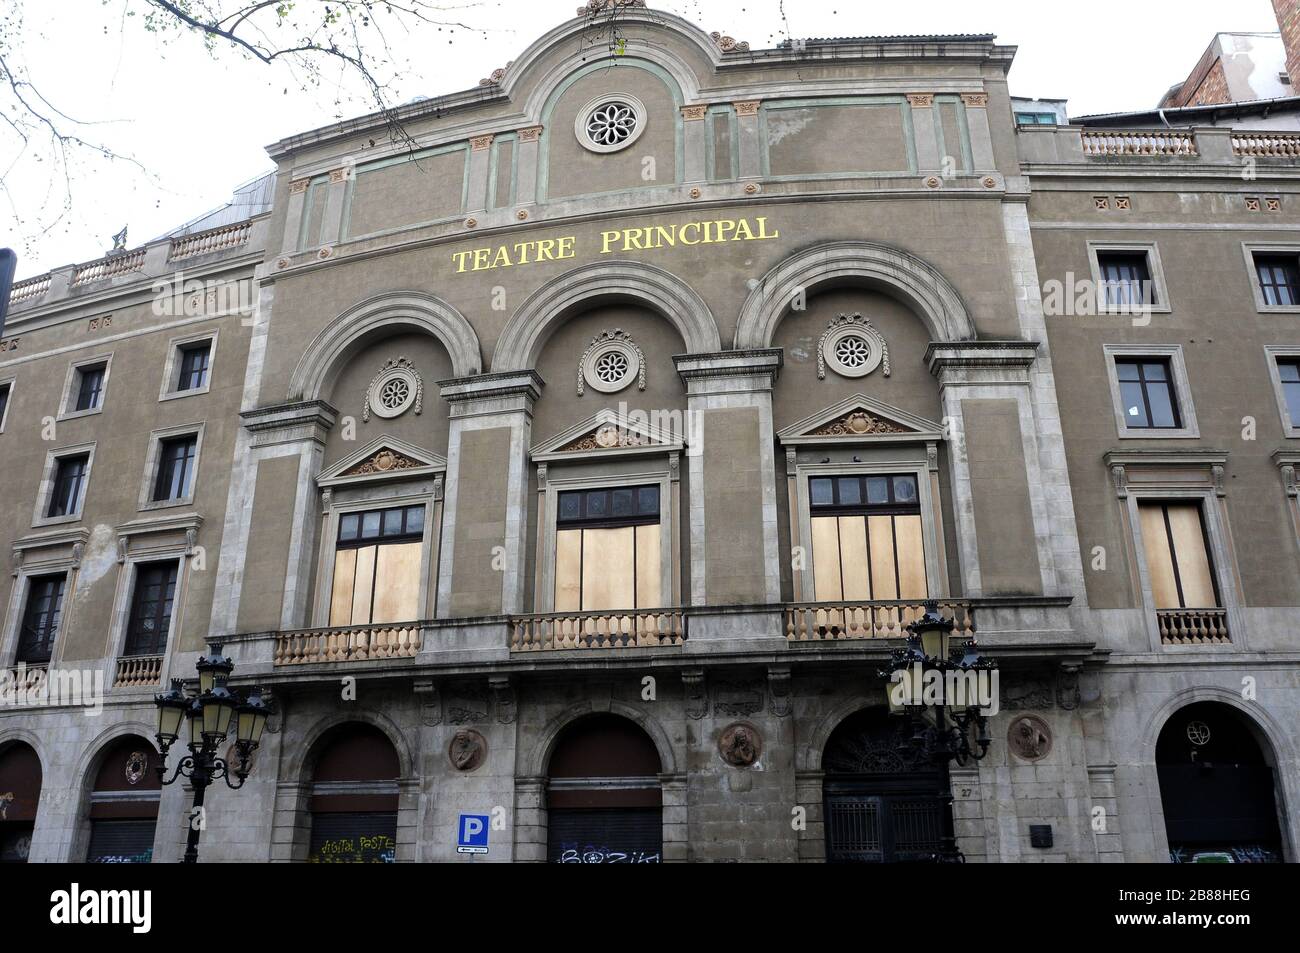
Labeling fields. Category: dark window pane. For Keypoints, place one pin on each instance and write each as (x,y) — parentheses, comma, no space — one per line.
(40,619)
(91,387)
(877,489)
(1127,370)
(392,522)
(822,490)
(151,609)
(1161,406)
(4,401)
(570,506)
(624,502)
(414,519)
(69,478)
(1135,411)
(850,491)
(597,504)
(194,366)
(1279,279)
(349,526)
(370,524)
(648,502)
(905,489)
(1126,278)
(1154,371)
(175,468)
(1289,370)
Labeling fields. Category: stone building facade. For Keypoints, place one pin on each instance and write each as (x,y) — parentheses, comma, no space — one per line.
(581,466)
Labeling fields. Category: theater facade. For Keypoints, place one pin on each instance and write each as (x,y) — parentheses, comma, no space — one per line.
(579,462)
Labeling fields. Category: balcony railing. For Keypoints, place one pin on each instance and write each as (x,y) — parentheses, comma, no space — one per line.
(1139,142)
(213,240)
(1192,626)
(27,678)
(352,644)
(835,621)
(108,267)
(1269,145)
(30,289)
(138,671)
(598,630)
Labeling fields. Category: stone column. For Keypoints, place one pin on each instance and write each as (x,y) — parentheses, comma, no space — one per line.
(332,226)
(486,509)
(695,129)
(529,147)
(530,820)
(747,143)
(923,131)
(981,139)
(676,828)
(480,155)
(293,216)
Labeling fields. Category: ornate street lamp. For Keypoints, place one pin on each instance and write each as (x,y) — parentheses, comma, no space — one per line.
(210,714)
(932,674)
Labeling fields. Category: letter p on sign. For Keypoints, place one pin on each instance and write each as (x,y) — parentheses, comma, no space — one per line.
(472,834)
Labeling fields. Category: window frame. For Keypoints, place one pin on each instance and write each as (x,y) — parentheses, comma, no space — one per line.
(42,554)
(72,387)
(554,479)
(1181,388)
(1273,353)
(137,571)
(1163,303)
(1249,251)
(172,370)
(153,460)
(895,461)
(10,383)
(25,608)
(45,494)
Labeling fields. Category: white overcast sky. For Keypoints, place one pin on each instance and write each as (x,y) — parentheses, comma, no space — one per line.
(200,125)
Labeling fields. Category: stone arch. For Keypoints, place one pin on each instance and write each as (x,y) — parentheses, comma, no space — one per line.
(29,738)
(521,341)
(93,752)
(304,754)
(540,755)
(897,272)
(392,311)
(809,755)
(1269,731)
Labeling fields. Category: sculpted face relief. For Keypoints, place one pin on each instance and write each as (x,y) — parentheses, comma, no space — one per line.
(645,238)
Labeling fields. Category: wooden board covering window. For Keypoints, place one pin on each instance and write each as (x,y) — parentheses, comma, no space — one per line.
(1173,536)
(861,558)
(608,568)
(376,584)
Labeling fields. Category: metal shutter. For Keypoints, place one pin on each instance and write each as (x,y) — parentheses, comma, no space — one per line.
(607,836)
(120,842)
(357,838)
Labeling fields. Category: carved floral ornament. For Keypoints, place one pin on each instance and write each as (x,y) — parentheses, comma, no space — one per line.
(610,363)
(394,390)
(601,6)
(851,347)
(858,423)
(728,44)
(383,461)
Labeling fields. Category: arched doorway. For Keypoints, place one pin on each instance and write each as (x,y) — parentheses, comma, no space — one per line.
(20,795)
(1217,788)
(124,803)
(604,800)
(881,797)
(354,797)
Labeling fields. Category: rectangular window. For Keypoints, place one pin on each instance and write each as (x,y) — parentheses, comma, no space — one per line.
(1147,391)
(175,479)
(194,366)
(41,619)
(1288,371)
(151,609)
(4,402)
(867,537)
(607,550)
(69,484)
(90,386)
(1036,119)
(1279,279)
(1178,555)
(377,566)
(1126,279)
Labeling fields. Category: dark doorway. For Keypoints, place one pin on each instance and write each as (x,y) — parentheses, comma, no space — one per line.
(354,798)
(881,798)
(1216,788)
(604,801)
(124,804)
(20,795)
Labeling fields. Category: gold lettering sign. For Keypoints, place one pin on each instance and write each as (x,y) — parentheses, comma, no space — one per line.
(616,241)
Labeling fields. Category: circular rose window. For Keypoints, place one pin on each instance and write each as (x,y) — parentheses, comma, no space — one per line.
(611,368)
(853,348)
(610,123)
(393,391)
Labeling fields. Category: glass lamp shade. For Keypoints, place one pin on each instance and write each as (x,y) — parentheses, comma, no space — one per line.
(934,631)
(211,667)
(252,719)
(218,708)
(171,712)
(196,724)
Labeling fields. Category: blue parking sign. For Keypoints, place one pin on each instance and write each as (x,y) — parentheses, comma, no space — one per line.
(472,834)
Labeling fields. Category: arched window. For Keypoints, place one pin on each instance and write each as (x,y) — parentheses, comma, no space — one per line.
(354,798)
(124,804)
(20,794)
(604,802)
(1217,788)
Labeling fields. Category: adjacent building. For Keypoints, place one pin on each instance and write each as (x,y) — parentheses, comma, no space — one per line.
(581,465)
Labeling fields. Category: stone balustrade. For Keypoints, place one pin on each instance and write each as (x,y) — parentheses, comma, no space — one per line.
(632,628)
(1192,626)
(138,671)
(885,619)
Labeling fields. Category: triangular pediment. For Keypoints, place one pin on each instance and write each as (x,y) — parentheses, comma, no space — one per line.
(608,432)
(861,418)
(384,458)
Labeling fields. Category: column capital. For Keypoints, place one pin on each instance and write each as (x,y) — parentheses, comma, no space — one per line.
(969,362)
(692,113)
(920,100)
(699,371)
(296,422)
(479,143)
(746,107)
(977,100)
(530,133)
(502,393)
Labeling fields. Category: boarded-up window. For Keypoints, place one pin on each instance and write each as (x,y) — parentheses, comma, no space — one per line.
(1178,559)
(377,566)
(868,541)
(607,550)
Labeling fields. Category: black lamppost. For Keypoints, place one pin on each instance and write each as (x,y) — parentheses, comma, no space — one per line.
(210,713)
(933,672)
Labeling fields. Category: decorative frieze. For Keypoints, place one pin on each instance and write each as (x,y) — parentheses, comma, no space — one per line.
(530,133)
(728,44)
(920,100)
(384,461)
(975,100)
(479,143)
(858,423)
(746,107)
(693,113)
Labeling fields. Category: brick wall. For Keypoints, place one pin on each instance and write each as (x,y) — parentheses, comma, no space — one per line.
(1288,21)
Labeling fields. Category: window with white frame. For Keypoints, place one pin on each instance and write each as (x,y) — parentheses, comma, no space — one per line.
(1151,391)
(1284,370)
(1274,271)
(153,598)
(171,468)
(67,475)
(189,366)
(6,391)
(85,388)
(1128,277)
(1177,554)
(42,613)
